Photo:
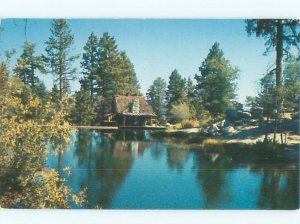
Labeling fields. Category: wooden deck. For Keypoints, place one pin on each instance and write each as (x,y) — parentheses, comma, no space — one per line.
(120,127)
(143,127)
(97,127)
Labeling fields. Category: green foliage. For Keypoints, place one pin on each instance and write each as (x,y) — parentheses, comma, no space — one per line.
(268,29)
(90,65)
(216,83)
(180,112)
(176,91)
(156,97)
(58,57)
(27,123)
(280,34)
(27,65)
(84,111)
(116,74)
(292,84)
(267,95)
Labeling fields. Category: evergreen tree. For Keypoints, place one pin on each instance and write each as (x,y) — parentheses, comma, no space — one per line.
(27,65)
(90,65)
(116,74)
(83,113)
(191,97)
(280,34)
(176,91)
(292,84)
(59,56)
(128,83)
(156,97)
(267,95)
(216,83)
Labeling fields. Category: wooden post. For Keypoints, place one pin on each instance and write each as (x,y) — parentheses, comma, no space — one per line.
(124,120)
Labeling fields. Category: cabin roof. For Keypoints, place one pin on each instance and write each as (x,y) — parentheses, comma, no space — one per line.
(122,105)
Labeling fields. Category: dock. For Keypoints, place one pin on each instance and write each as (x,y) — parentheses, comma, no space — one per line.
(120,127)
(143,127)
(97,127)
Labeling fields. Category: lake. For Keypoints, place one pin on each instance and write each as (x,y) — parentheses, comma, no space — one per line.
(131,170)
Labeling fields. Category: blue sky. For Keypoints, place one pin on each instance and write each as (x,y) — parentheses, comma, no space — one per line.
(156,47)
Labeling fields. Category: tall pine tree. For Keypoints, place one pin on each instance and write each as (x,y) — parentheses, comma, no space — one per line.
(216,82)
(90,65)
(280,34)
(116,73)
(27,65)
(176,91)
(156,97)
(59,56)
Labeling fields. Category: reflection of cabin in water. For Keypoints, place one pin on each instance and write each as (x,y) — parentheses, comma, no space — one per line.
(131,111)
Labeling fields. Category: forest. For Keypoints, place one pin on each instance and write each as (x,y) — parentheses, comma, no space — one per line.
(31,114)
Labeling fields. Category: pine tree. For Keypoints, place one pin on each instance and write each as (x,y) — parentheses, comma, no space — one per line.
(176,91)
(216,82)
(27,65)
(84,112)
(116,74)
(292,84)
(90,65)
(156,97)
(59,56)
(280,34)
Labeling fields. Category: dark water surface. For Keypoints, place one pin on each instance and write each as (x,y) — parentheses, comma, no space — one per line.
(129,170)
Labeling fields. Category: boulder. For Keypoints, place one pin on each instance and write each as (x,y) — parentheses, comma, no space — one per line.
(228,130)
(212,129)
(246,115)
(222,123)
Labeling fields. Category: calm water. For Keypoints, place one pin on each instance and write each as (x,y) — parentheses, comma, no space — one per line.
(129,170)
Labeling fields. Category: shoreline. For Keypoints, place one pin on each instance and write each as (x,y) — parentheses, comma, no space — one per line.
(247,135)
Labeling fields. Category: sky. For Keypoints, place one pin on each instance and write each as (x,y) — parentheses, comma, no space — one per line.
(155,46)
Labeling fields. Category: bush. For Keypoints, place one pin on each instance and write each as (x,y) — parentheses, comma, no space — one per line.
(231,114)
(189,124)
(180,112)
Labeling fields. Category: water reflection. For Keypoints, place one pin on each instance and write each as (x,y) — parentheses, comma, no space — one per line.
(106,159)
(131,170)
(212,169)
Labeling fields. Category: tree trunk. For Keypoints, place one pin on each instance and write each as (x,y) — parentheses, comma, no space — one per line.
(279,76)
(267,129)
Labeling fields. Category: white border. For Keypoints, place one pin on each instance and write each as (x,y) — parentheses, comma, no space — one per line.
(149,9)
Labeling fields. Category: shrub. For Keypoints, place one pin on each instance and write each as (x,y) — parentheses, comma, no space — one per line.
(180,112)
(189,124)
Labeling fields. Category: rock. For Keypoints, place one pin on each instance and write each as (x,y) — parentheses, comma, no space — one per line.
(228,130)
(212,129)
(222,123)
(246,115)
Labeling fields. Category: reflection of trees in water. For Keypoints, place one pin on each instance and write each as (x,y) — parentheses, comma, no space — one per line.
(212,169)
(59,144)
(214,164)
(157,150)
(84,144)
(109,163)
(273,195)
(177,157)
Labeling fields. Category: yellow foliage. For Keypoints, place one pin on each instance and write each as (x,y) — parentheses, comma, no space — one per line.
(211,142)
(190,123)
(26,124)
